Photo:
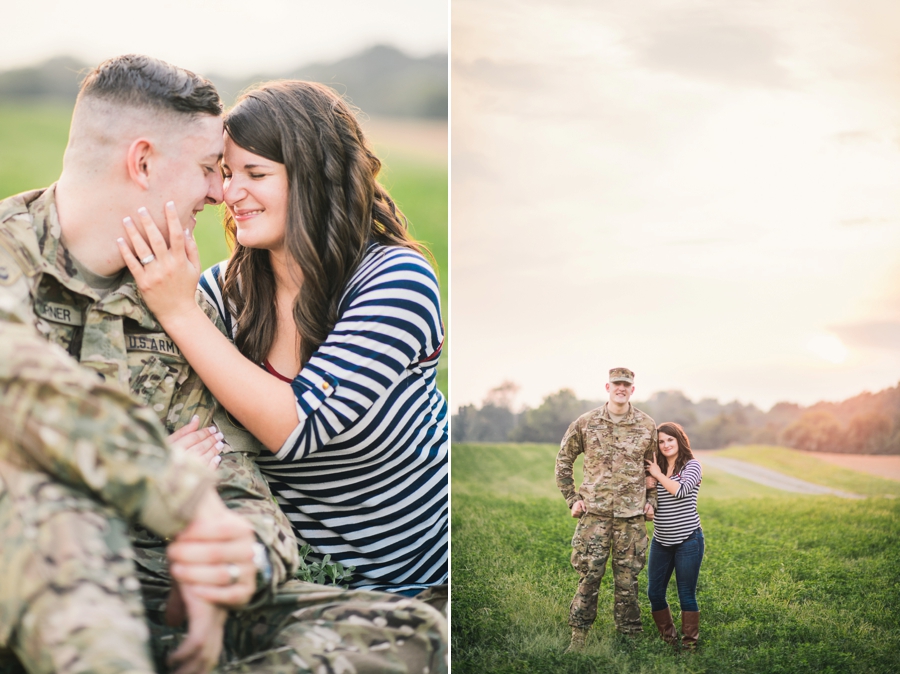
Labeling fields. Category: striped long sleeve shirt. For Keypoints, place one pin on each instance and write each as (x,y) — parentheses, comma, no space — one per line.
(677,517)
(364,475)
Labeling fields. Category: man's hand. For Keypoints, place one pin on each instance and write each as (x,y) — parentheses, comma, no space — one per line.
(204,443)
(648,511)
(200,650)
(578,508)
(213,556)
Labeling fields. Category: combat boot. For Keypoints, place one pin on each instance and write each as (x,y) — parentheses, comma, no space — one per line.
(579,634)
(666,626)
(690,630)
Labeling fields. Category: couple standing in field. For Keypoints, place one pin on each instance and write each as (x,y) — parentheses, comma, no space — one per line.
(162,449)
(633,471)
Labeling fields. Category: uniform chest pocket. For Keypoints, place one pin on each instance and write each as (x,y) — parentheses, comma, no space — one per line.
(153,381)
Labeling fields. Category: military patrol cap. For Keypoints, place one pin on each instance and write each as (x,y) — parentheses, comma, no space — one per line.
(621,374)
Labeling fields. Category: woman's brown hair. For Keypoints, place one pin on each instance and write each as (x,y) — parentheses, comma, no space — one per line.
(336,208)
(684,447)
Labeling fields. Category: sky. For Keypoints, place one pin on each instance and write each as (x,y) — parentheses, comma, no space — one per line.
(705,192)
(234,37)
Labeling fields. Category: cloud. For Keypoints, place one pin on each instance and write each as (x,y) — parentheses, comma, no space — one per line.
(509,75)
(873,335)
(715,48)
(855,137)
(862,221)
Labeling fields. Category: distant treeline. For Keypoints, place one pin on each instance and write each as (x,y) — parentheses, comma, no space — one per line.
(865,424)
(381,81)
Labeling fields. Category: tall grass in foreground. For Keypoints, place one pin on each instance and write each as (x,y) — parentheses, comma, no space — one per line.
(788,584)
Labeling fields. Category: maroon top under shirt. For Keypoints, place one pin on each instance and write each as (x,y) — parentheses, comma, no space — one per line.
(271,370)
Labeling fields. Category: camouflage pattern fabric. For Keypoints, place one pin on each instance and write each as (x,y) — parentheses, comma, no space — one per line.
(327,630)
(90,451)
(58,613)
(594,538)
(614,455)
(437,596)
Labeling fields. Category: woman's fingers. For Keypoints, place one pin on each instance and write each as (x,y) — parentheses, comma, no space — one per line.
(176,233)
(134,266)
(141,247)
(233,596)
(154,236)
(189,427)
(190,247)
(214,575)
(226,584)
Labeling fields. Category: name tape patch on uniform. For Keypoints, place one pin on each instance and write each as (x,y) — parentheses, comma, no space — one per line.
(59,313)
(156,343)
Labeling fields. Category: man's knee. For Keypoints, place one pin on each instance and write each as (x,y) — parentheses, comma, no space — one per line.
(71,598)
(374,631)
(83,628)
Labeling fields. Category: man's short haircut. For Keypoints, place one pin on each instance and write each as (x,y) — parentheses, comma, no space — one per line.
(145,82)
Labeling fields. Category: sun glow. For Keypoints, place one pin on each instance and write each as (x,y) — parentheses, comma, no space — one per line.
(828,348)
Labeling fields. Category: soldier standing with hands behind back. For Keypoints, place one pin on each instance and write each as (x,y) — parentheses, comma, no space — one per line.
(611,504)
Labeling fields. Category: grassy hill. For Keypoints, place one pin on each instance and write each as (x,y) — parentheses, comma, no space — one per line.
(788,583)
(33,137)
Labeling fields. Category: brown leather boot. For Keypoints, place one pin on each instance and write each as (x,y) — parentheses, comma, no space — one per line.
(690,629)
(666,626)
(579,634)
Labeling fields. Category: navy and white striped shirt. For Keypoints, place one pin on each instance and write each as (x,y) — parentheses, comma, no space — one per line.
(676,516)
(364,476)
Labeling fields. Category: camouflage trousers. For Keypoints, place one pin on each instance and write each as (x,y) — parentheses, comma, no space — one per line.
(594,537)
(328,630)
(70,601)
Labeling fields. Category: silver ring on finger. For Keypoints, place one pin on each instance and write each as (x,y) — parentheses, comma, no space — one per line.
(234,574)
(147,260)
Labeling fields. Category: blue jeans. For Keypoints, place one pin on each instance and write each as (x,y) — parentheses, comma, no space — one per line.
(684,559)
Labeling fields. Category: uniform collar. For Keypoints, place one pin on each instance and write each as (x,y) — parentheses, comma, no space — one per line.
(629,417)
(56,261)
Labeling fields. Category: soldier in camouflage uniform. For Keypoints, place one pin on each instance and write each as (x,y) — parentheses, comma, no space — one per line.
(90,491)
(611,503)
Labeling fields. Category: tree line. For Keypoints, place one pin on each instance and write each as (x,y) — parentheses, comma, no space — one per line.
(380,80)
(868,423)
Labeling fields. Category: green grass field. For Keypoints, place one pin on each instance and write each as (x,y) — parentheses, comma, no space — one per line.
(33,138)
(788,584)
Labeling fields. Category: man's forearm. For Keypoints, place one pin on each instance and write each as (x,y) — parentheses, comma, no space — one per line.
(61,418)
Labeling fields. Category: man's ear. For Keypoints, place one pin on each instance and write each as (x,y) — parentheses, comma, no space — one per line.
(139,158)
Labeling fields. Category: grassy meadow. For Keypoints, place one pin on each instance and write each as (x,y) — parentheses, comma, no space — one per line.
(788,584)
(33,137)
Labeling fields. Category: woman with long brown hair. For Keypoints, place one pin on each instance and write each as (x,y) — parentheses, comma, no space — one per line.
(677,543)
(334,313)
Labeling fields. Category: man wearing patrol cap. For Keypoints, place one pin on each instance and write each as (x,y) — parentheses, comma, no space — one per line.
(611,504)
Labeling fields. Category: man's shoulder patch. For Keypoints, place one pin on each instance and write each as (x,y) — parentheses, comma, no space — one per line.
(10,271)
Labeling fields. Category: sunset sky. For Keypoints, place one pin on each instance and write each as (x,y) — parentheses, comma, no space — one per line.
(705,192)
(234,37)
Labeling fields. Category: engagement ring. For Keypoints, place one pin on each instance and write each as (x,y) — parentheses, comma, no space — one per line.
(234,574)
(147,260)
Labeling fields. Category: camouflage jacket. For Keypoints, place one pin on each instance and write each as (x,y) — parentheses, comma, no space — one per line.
(116,336)
(614,455)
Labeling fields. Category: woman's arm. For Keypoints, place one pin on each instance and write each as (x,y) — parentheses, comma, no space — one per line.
(691,475)
(168,283)
(668,484)
(391,320)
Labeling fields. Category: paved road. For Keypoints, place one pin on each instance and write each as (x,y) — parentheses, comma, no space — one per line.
(767,477)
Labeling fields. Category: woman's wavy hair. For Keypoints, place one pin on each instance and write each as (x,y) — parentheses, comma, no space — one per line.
(684,446)
(336,208)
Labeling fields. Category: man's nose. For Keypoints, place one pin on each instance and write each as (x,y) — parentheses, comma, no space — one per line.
(215,194)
